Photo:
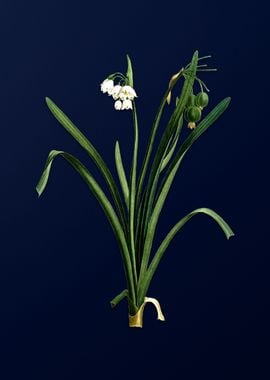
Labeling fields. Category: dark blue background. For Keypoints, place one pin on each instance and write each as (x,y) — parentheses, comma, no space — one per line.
(60,264)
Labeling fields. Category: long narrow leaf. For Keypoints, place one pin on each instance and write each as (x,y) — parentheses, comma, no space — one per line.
(149,228)
(149,148)
(129,73)
(119,298)
(103,201)
(165,243)
(172,145)
(171,172)
(121,172)
(92,152)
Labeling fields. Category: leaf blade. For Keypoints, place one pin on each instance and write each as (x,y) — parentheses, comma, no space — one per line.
(70,127)
(121,172)
(171,172)
(172,233)
(129,73)
(149,227)
(103,201)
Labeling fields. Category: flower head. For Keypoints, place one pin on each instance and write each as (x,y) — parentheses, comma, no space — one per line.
(107,86)
(123,95)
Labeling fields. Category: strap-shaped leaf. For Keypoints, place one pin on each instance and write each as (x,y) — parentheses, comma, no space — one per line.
(151,140)
(119,298)
(129,73)
(121,172)
(173,122)
(171,172)
(165,243)
(172,145)
(92,152)
(103,201)
(159,156)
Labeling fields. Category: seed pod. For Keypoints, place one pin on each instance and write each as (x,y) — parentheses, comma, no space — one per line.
(202,99)
(193,114)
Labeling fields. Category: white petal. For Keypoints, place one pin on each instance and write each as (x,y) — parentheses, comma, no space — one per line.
(130,92)
(106,85)
(127,104)
(116,90)
(118,105)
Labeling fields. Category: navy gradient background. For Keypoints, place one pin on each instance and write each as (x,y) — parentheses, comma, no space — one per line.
(59,262)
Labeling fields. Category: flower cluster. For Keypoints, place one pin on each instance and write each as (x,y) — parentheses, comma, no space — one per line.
(123,95)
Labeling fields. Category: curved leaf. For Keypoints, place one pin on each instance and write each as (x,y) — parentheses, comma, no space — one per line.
(92,152)
(165,243)
(171,172)
(102,199)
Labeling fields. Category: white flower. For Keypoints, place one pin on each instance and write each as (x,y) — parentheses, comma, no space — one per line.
(115,91)
(106,86)
(127,92)
(127,104)
(118,105)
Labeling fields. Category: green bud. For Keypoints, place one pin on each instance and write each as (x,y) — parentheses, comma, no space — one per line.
(202,99)
(193,114)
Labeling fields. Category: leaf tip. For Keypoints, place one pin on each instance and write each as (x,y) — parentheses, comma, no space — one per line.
(230,234)
(39,192)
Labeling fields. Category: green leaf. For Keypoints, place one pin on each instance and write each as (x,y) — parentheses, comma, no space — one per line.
(119,298)
(165,243)
(172,145)
(103,201)
(171,172)
(121,172)
(149,229)
(151,140)
(129,73)
(92,152)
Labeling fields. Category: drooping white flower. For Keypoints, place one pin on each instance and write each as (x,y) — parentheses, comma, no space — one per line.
(107,86)
(118,105)
(116,91)
(127,92)
(127,104)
